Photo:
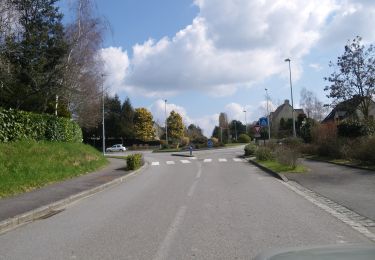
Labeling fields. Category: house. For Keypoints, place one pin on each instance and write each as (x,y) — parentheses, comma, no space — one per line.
(349,109)
(283,113)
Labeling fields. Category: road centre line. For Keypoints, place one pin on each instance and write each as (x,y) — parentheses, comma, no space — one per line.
(192,188)
(164,247)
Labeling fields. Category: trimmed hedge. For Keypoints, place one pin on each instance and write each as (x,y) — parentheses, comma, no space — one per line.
(250,149)
(134,161)
(20,125)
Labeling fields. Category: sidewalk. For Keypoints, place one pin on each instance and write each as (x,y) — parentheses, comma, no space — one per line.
(350,187)
(13,206)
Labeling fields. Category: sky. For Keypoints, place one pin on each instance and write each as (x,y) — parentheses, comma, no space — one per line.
(210,56)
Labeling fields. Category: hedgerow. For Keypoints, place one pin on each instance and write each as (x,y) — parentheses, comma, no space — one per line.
(20,125)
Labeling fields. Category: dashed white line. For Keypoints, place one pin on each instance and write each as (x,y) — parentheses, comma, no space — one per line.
(237,160)
(185,161)
(192,189)
(170,162)
(207,160)
(192,158)
(222,160)
(172,230)
(155,163)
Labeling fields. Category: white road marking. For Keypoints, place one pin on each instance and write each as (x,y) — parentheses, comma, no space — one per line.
(155,163)
(207,160)
(222,160)
(185,161)
(172,230)
(199,172)
(192,189)
(237,160)
(170,162)
(192,158)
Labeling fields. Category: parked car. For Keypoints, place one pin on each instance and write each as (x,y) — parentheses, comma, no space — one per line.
(116,148)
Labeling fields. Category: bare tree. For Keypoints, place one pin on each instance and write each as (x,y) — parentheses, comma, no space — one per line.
(312,106)
(84,69)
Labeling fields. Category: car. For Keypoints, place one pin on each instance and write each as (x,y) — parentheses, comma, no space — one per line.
(116,148)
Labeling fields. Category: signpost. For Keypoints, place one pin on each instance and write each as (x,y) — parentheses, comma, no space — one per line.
(263,121)
(210,144)
(257,131)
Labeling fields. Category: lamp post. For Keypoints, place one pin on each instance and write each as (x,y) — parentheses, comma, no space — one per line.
(245,121)
(291,96)
(103,114)
(166,125)
(268,117)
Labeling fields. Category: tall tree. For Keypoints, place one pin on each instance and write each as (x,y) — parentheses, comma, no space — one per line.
(34,56)
(127,117)
(354,76)
(175,126)
(143,124)
(83,70)
(113,116)
(312,106)
(236,128)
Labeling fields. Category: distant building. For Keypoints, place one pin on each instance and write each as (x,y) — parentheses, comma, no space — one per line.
(283,113)
(349,109)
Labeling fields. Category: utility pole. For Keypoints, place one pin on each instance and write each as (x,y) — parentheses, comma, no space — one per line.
(245,121)
(103,114)
(291,96)
(166,124)
(268,117)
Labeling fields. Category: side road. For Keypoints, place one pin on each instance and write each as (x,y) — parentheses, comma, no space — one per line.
(350,187)
(25,202)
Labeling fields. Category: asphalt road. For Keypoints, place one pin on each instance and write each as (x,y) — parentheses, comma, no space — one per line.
(181,208)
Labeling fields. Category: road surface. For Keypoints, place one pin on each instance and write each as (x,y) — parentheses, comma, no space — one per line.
(213,207)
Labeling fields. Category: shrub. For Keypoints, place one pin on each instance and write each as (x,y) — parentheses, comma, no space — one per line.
(244,138)
(287,155)
(185,141)
(364,150)
(351,129)
(310,149)
(264,153)
(250,149)
(134,161)
(330,149)
(20,125)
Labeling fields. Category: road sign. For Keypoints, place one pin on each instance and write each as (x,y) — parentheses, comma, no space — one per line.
(263,121)
(210,144)
(257,135)
(257,129)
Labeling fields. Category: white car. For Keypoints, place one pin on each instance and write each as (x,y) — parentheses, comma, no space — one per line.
(116,148)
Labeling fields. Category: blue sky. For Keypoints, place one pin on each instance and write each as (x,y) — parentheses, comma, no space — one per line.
(208,56)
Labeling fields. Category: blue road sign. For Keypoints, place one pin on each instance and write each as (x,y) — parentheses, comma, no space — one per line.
(263,121)
(210,144)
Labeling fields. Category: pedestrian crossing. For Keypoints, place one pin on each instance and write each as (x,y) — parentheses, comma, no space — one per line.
(205,161)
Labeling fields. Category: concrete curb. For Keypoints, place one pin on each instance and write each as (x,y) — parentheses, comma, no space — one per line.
(32,215)
(182,155)
(269,171)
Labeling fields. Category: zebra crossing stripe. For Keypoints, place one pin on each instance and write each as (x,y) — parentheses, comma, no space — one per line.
(207,160)
(185,161)
(155,163)
(222,160)
(170,162)
(237,160)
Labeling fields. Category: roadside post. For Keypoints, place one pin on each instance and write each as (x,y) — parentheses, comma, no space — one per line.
(191,150)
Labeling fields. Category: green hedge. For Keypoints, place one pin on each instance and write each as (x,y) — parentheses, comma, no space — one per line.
(250,149)
(20,125)
(134,161)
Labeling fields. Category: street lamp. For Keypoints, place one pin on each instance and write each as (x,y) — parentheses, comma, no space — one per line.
(166,125)
(268,117)
(245,122)
(103,114)
(291,95)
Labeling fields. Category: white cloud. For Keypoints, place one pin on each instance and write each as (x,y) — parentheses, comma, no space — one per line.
(234,44)
(316,66)
(158,111)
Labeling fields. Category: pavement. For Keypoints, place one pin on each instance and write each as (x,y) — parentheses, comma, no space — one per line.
(210,207)
(350,187)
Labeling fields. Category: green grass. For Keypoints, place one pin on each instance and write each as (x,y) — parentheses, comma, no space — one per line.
(277,167)
(169,150)
(27,165)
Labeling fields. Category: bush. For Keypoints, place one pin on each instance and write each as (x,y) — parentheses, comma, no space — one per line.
(185,141)
(134,161)
(244,138)
(264,153)
(351,129)
(20,125)
(287,156)
(364,150)
(250,149)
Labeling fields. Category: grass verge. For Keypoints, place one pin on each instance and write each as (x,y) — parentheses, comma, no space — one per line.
(234,144)
(27,165)
(281,168)
(167,150)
